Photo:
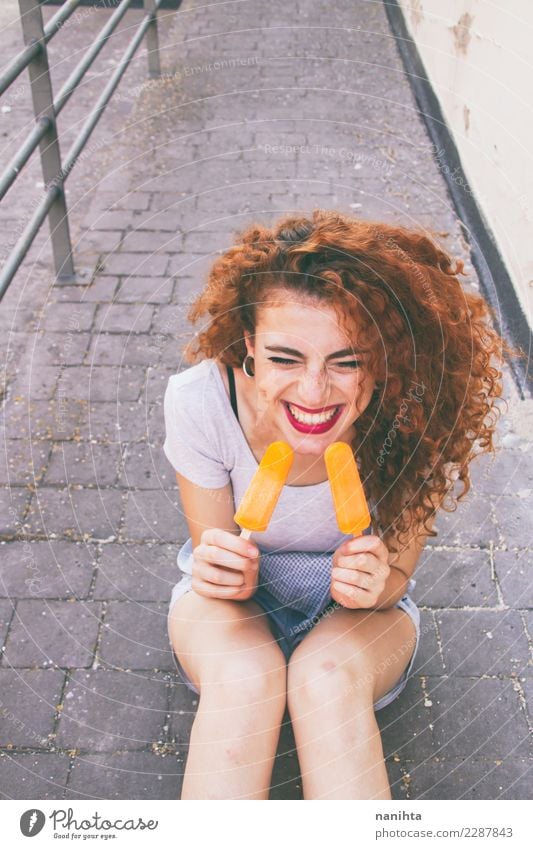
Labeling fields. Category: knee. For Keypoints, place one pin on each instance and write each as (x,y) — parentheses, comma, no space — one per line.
(250,678)
(322,678)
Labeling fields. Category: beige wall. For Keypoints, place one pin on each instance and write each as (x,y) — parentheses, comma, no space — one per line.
(479,58)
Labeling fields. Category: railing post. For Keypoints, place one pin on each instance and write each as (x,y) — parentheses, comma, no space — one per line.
(152,41)
(41,91)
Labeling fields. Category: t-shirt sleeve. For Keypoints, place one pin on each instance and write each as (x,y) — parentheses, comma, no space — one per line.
(190,444)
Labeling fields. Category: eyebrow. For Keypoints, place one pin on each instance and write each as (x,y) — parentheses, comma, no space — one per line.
(346,352)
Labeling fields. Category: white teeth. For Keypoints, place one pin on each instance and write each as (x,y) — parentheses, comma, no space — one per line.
(312,419)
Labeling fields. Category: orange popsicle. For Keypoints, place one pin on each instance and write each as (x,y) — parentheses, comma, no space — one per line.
(261,497)
(349,499)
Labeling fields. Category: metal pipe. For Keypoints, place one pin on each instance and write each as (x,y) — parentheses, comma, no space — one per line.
(23,59)
(8,177)
(88,127)
(30,231)
(56,21)
(18,65)
(71,84)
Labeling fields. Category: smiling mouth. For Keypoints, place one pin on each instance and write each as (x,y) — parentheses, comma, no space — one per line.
(319,421)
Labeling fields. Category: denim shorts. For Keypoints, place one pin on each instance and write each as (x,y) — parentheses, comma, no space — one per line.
(293,613)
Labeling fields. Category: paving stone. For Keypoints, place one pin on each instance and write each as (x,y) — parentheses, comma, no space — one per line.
(286,780)
(528,618)
(109,220)
(172,321)
(182,710)
(83,463)
(120,349)
(482,641)
(139,264)
(504,473)
(36,382)
(132,200)
(154,515)
(145,467)
(127,775)
(123,318)
(99,241)
(29,698)
(58,349)
(152,242)
(166,220)
(105,711)
(147,290)
(69,317)
(74,513)
(477,718)
(156,425)
(23,463)
(61,419)
(51,569)
(102,290)
(13,503)
(514,570)
(186,289)
(53,633)
(137,572)
(32,775)
(6,613)
(405,724)
(455,579)
(471,778)
(428,660)
(157,381)
(100,383)
(189,265)
(125,421)
(135,636)
(513,521)
(472,523)
(399,780)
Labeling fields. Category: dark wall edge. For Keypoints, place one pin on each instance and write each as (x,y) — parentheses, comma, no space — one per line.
(494,279)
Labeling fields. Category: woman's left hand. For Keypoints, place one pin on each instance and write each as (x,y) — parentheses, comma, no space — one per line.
(360,571)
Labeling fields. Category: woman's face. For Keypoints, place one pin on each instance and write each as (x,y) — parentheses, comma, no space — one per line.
(310,395)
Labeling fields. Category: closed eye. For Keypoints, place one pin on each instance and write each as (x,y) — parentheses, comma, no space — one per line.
(282,361)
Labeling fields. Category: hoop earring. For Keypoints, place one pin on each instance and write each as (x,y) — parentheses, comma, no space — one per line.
(244,368)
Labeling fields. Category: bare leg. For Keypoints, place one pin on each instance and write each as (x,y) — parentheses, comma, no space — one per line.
(228,651)
(335,675)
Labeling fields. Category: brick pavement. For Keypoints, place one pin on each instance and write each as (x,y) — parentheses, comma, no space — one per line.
(312,110)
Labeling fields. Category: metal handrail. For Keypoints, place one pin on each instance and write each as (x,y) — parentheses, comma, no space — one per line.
(71,84)
(29,53)
(46,109)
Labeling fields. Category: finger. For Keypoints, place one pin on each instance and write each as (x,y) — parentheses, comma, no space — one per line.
(213,590)
(351,592)
(352,577)
(230,542)
(221,557)
(226,577)
(366,542)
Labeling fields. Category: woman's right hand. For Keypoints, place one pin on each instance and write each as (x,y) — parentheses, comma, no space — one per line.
(224,567)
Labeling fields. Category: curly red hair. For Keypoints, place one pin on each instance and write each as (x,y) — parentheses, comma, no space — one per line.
(432,351)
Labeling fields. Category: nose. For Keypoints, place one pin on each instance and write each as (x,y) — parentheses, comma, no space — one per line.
(314,388)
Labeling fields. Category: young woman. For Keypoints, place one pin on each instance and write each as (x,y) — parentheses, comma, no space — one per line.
(322,329)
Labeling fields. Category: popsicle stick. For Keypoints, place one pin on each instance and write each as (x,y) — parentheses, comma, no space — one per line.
(245,533)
